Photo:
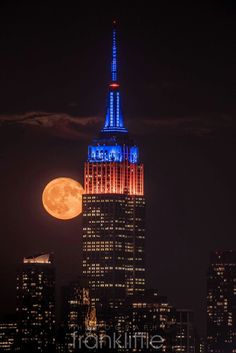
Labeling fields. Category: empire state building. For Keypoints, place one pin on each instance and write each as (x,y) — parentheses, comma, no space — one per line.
(113,207)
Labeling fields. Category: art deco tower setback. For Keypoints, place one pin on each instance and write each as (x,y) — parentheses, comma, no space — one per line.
(113,207)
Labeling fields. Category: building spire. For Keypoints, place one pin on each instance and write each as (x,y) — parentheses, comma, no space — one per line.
(114,119)
(114,54)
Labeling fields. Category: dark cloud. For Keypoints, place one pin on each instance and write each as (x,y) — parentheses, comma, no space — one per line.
(59,124)
(77,127)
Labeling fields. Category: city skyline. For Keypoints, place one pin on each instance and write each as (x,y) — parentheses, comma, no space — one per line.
(190,180)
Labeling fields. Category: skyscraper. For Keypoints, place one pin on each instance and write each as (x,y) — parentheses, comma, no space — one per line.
(113,207)
(36,303)
(221,303)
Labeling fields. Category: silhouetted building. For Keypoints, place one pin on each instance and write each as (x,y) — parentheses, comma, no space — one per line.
(61,338)
(186,339)
(151,315)
(78,314)
(36,303)
(202,345)
(221,303)
(113,209)
(8,335)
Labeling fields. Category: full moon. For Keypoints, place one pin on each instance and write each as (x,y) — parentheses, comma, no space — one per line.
(62,198)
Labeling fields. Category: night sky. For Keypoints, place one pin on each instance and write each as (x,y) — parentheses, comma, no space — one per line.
(178,82)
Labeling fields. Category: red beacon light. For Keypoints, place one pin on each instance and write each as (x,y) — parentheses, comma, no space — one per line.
(114,85)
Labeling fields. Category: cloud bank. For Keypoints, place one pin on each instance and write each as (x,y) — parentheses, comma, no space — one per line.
(77,127)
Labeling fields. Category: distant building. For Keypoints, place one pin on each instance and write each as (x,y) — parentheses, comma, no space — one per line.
(151,315)
(221,303)
(36,303)
(78,315)
(61,338)
(8,335)
(186,339)
(202,345)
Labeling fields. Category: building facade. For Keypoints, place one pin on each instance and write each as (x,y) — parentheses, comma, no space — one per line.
(113,208)
(36,304)
(8,335)
(186,339)
(151,315)
(221,303)
(79,317)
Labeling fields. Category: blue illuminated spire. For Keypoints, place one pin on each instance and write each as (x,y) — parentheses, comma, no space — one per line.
(114,119)
(114,56)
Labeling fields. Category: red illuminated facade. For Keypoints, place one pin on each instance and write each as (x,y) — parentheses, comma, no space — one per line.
(114,178)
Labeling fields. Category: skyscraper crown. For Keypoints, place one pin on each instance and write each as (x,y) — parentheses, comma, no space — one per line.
(114,143)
